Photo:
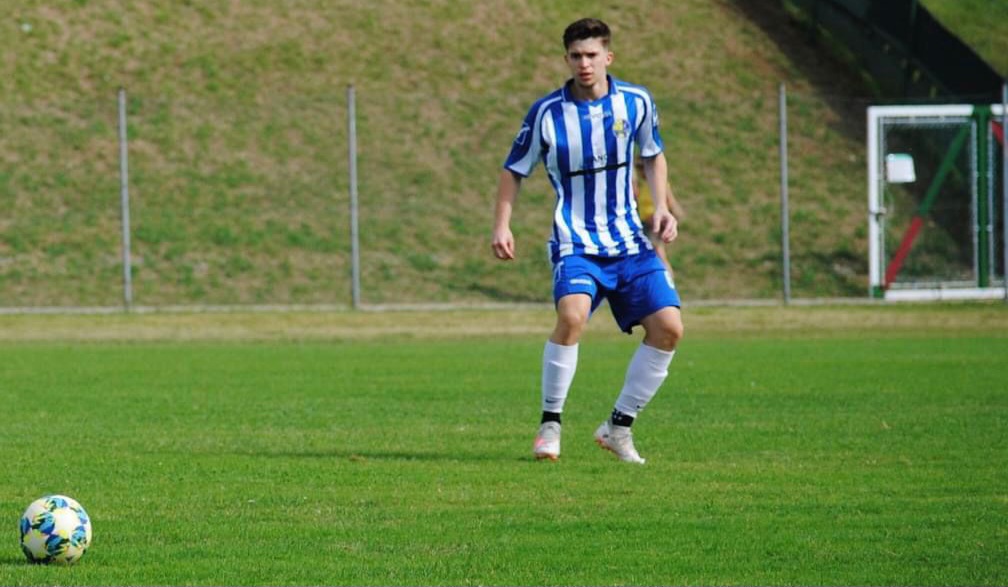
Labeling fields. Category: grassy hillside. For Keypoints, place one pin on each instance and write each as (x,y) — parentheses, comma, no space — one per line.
(238,155)
(982,24)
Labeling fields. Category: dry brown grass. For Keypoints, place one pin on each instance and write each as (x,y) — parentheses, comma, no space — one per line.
(705,322)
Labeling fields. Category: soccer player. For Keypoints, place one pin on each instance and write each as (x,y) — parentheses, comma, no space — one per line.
(586,134)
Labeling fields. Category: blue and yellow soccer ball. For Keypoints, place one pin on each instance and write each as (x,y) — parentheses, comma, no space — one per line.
(55,529)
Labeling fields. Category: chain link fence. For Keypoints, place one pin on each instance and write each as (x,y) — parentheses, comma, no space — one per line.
(246,203)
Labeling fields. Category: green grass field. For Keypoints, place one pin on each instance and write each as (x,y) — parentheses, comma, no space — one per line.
(816,446)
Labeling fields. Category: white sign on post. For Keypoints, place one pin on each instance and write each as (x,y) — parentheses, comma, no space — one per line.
(900,168)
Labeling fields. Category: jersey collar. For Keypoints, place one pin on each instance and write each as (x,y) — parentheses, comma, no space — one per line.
(569,97)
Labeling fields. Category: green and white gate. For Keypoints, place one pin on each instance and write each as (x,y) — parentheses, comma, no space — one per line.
(936,203)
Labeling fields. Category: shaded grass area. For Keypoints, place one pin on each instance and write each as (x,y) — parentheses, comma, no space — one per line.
(860,456)
(981,25)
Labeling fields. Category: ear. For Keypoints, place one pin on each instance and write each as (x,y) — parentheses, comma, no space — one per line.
(609,58)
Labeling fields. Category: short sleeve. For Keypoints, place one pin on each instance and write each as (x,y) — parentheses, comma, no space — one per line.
(527,146)
(648,137)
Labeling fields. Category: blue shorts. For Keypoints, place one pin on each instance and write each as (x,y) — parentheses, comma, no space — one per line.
(636,285)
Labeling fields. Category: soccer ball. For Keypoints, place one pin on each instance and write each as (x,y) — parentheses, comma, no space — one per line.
(55,529)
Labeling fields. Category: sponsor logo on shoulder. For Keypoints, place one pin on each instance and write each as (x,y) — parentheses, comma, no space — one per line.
(523,134)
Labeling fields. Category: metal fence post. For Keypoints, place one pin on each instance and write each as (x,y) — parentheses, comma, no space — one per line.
(124,203)
(354,240)
(1004,187)
(785,217)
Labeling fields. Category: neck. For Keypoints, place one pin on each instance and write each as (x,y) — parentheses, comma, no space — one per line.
(586,93)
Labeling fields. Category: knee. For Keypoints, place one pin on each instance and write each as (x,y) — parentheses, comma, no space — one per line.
(665,334)
(569,326)
(669,337)
(675,333)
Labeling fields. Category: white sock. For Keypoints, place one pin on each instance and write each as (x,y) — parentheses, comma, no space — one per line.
(646,372)
(559,365)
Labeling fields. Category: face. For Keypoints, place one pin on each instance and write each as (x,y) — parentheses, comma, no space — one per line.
(588,60)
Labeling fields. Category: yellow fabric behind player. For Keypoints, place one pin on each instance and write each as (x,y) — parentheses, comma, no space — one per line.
(645,205)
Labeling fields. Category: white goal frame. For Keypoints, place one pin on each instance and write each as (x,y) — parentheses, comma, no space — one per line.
(924,114)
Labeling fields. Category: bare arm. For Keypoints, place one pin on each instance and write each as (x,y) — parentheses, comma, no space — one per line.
(656,172)
(507,192)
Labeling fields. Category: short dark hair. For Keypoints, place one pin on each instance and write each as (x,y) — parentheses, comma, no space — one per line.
(586,28)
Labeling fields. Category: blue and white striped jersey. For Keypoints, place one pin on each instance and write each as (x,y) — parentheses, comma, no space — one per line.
(587,149)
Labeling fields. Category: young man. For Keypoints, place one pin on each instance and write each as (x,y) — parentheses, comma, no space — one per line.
(586,134)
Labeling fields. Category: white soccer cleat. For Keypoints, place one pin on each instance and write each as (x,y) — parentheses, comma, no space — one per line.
(618,440)
(547,442)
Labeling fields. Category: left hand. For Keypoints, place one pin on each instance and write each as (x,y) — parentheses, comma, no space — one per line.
(665,225)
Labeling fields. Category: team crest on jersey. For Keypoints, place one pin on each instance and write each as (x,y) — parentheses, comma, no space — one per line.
(620,127)
(523,134)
